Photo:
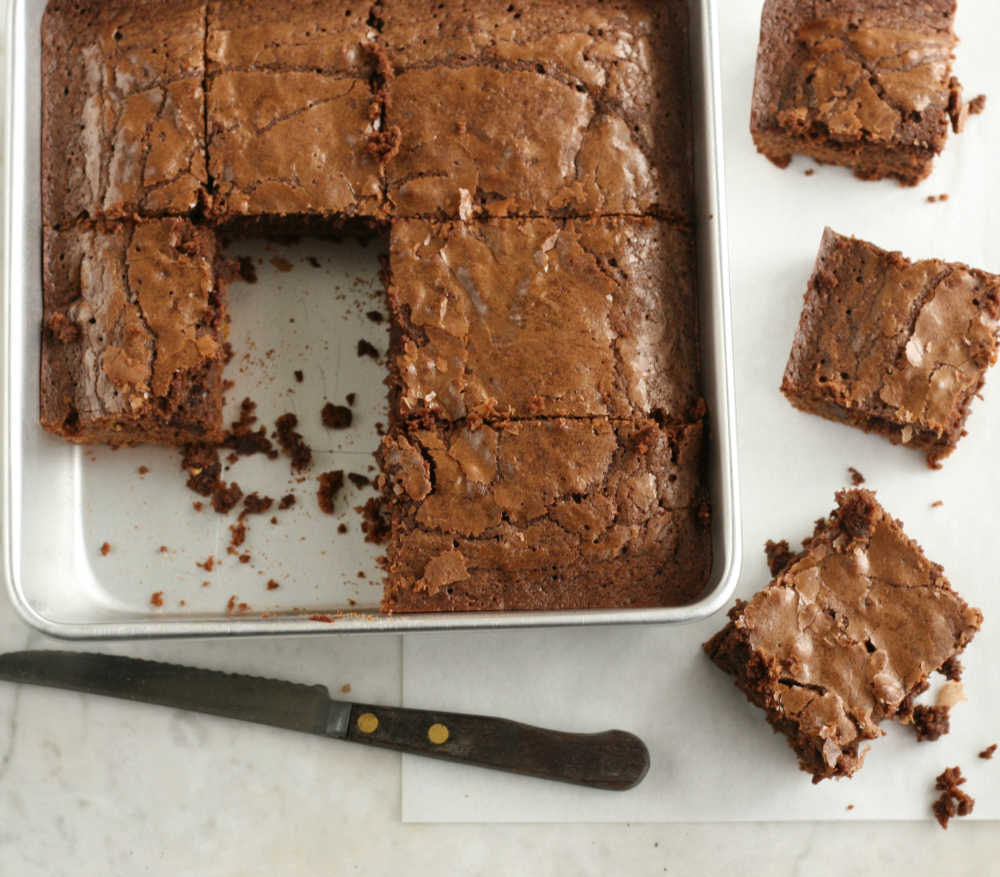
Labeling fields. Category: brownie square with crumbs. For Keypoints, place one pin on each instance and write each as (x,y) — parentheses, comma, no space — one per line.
(593,96)
(542,318)
(134,325)
(845,635)
(545,514)
(866,85)
(891,346)
(123,113)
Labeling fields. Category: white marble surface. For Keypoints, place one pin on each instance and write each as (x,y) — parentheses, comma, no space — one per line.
(91,786)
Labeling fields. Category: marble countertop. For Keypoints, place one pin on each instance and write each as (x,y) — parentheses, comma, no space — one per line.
(95,786)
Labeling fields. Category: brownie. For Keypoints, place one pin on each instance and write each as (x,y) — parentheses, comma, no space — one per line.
(866,84)
(596,97)
(844,636)
(541,318)
(122,108)
(891,346)
(544,514)
(134,323)
(292,110)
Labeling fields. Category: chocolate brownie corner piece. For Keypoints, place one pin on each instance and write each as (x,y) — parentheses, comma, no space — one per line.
(134,322)
(544,318)
(891,346)
(291,110)
(860,84)
(844,636)
(595,95)
(545,514)
(122,109)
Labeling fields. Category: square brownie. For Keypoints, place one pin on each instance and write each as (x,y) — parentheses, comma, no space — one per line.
(292,111)
(866,85)
(134,325)
(123,114)
(596,97)
(542,318)
(545,514)
(845,635)
(891,346)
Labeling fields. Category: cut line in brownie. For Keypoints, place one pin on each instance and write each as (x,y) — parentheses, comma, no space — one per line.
(845,635)
(866,85)
(123,116)
(545,514)
(134,325)
(540,318)
(891,346)
(595,95)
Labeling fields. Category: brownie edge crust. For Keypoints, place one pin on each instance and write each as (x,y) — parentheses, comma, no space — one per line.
(844,636)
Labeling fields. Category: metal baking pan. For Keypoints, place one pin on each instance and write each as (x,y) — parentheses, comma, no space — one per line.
(62,502)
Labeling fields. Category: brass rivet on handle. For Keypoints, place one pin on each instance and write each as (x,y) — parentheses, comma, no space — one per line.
(438,733)
(367,723)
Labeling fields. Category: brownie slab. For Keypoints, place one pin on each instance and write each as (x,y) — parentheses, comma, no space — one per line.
(545,514)
(123,114)
(291,143)
(541,318)
(595,95)
(134,322)
(892,346)
(844,636)
(866,85)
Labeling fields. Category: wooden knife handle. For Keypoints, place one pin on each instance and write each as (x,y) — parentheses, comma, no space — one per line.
(614,760)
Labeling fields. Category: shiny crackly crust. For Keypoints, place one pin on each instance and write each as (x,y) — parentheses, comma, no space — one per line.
(844,636)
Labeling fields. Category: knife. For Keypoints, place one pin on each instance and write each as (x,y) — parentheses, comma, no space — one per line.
(613,760)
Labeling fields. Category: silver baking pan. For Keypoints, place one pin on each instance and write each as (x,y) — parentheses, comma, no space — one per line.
(62,503)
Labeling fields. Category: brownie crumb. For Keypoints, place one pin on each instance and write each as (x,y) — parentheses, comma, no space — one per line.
(952,669)
(810,171)
(238,536)
(330,484)
(312,260)
(207,564)
(857,478)
(272,585)
(247,270)
(299,376)
(202,464)
(977,104)
(373,522)
(375,316)
(943,196)
(231,603)
(156,599)
(850,806)
(779,555)
(336,416)
(358,480)
(243,439)
(351,397)
(366,348)
(283,265)
(225,497)
(930,722)
(953,801)
(274,520)
(245,557)
(286,502)
(932,199)
(345,688)
(342,528)
(987,753)
(163,549)
(292,442)
(255,505)
(144,470)
(937,504)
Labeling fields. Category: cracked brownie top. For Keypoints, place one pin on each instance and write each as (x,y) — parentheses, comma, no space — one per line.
(123,109)
(850,71)
(529,318)
(845,634)
(906,343)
